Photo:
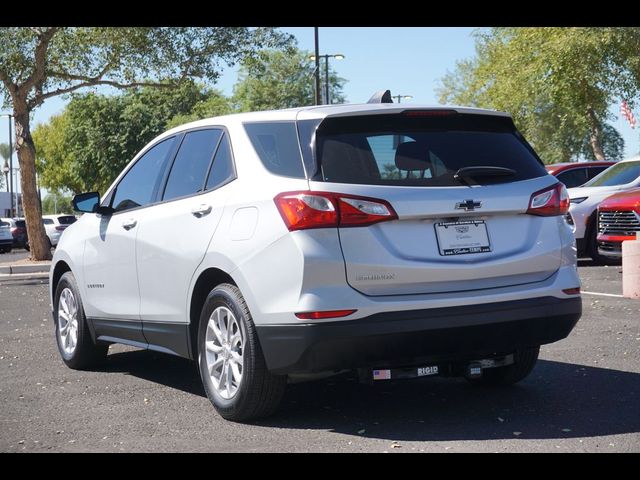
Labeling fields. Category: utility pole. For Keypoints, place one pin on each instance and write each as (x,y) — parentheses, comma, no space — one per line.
(317,59)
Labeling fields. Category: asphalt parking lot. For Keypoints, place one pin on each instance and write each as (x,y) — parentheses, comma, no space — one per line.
(582,396)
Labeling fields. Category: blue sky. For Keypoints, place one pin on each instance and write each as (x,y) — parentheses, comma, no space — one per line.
(406,60)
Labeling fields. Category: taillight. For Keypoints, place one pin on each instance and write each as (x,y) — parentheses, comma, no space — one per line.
(305,210)
(324,314)
(550,201)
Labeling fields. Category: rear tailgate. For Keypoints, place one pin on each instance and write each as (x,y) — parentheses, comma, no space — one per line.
(453,232)
(408,255)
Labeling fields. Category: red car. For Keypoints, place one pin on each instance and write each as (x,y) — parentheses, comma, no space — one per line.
(574,174)
(618,220)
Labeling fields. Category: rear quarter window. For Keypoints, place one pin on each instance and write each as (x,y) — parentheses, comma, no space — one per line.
(276,143)
(66,220)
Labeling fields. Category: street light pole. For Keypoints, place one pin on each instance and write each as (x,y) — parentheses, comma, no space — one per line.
(400,97)
(316,57)
(9,116)
(326,79)
(317,60)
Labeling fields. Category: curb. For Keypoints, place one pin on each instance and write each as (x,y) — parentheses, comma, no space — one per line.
(21,278)
(16,269)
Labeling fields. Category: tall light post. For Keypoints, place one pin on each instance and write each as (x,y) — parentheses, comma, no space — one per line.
(402,97)
(316,72)
(337,56)
(10,117)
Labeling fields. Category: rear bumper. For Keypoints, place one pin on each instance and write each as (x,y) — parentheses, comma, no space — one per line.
(408,337)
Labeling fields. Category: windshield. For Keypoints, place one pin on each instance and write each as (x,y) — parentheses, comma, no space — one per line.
(412,150)
(618,174)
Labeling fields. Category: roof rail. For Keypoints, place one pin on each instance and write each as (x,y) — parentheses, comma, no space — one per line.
(381,96)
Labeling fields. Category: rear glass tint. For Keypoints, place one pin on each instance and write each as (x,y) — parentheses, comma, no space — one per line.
(277,146)
(66,220)
(420,151)
(21,224)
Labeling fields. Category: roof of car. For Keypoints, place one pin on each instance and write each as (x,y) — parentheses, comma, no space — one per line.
(323,111)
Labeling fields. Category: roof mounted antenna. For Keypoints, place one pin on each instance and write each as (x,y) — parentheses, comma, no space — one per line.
(381,96)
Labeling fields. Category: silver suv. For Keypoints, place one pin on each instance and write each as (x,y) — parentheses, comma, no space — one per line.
(392,240)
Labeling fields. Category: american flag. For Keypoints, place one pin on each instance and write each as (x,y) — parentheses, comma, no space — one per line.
(382,374)
(626,111)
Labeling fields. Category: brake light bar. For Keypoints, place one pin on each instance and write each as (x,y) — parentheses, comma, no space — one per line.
(428,113)
(303,210)
(549,202)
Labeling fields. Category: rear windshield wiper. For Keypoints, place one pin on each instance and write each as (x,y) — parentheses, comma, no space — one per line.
(465,174)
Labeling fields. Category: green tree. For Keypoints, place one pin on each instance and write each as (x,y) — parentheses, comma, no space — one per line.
(88,145)
(276,79)
(558,83)
(56,202)
(37,63)
(213,104)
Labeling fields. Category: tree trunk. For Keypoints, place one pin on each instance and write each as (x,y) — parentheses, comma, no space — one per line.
(595,135)
(38,241)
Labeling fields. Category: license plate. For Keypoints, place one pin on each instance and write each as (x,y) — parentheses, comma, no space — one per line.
(460,238)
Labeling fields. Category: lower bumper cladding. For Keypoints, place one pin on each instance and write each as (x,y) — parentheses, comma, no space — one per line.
(429,337)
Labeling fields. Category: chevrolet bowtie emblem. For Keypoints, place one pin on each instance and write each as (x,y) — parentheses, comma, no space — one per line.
(468,205)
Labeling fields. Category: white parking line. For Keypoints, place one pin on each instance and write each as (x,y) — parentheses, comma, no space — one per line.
(603,294)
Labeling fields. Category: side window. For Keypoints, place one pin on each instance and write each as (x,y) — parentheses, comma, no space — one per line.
(138,186)
(189,169)
(277,146)
(47,221)
(573,178)
(222,169)
(593,171)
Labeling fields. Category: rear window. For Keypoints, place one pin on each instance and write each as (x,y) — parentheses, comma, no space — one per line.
(67,220)
(276,144)
(3,224)
(21,224)
(408,150)
(618,174)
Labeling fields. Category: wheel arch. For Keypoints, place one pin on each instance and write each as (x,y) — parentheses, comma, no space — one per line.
(207,280)
(60,269)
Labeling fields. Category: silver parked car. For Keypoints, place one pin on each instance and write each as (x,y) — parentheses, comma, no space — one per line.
(399,241)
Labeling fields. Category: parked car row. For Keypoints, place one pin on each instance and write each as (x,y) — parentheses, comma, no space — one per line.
(15,231)
(604,210)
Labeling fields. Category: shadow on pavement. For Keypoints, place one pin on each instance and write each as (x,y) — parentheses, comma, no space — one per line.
(558,400)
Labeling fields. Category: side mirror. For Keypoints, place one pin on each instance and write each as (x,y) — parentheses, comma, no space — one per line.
(89,203)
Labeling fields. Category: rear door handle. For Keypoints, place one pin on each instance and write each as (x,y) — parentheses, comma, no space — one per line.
(201,211)
(129,224)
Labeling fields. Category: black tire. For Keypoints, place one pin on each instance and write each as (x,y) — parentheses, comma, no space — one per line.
(6,250)
(260,392)
(525,360)
(86,354)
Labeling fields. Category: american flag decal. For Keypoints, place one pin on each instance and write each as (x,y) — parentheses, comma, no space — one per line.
(382,374)
(626,111)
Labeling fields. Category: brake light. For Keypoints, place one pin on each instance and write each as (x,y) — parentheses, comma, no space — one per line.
(325,314)
(428,113)
(306,210)
(550,201)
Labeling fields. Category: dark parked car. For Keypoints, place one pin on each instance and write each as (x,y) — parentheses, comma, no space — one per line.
(18,231)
